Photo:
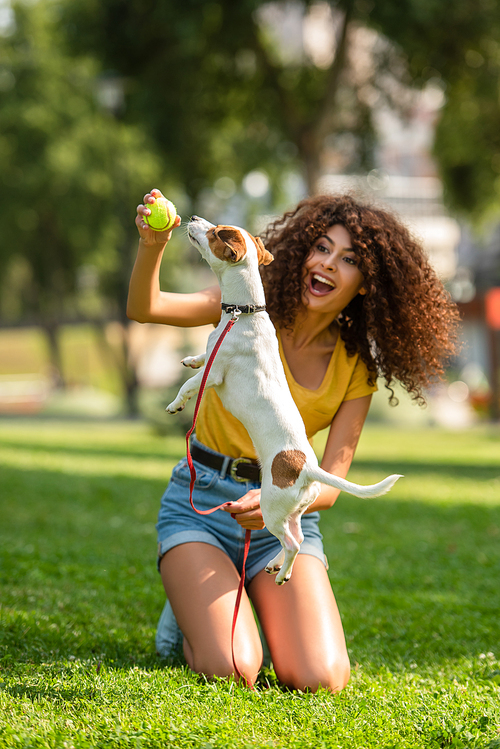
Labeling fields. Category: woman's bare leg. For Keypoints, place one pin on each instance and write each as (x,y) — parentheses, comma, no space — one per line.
(201,583)
(302,626)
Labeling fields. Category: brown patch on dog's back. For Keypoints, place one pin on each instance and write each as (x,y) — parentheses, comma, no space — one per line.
(286,467)
(227,243)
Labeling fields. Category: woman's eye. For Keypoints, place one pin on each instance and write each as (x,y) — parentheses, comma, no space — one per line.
(322,248)
(350,260)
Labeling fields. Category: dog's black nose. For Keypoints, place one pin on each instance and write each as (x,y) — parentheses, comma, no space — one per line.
(194,218)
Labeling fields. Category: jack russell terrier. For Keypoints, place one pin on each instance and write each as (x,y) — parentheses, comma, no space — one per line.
(249,378)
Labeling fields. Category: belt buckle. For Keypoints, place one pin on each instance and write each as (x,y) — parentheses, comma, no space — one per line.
(234,465)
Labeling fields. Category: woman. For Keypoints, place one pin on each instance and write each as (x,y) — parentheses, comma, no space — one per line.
(352,297)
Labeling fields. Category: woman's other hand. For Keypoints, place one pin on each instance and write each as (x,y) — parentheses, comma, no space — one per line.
(246,511)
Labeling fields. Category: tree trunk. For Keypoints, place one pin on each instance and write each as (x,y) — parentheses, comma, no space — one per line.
(130,381)
(121,361)
(494,346)
(308,133)
(51,330)
(310,156)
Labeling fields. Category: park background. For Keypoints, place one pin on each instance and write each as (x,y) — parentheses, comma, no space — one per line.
(236,110)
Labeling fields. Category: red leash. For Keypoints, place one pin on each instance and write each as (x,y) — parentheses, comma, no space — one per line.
(192,471)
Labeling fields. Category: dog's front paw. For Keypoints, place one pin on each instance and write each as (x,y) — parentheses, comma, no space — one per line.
(172,408)
(193,362)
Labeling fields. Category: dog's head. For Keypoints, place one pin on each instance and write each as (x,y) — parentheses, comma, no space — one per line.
(225,244)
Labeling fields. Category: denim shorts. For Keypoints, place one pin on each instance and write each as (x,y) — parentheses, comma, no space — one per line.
(179,524)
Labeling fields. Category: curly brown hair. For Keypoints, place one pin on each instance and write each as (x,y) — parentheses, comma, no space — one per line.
(405,327)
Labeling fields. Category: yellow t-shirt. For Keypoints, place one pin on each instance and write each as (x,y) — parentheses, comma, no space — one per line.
(346,379)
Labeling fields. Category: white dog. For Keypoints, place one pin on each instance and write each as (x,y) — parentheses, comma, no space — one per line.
(248,375)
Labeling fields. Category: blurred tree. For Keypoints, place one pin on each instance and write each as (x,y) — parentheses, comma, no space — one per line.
(70,174)
(468,135)
(223,89)
(456,44)
(211,89)
(210,85)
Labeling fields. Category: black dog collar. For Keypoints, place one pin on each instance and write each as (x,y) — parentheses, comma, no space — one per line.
(244,309)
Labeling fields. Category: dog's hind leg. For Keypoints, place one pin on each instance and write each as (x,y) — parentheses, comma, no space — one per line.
(194,362)
(276,563)
(291,549)
(291,536)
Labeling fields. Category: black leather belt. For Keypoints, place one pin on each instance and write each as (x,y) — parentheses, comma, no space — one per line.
(240,469)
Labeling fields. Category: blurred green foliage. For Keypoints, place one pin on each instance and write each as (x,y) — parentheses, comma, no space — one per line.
(457,45)
(213,83)
(70,173)
(100,100)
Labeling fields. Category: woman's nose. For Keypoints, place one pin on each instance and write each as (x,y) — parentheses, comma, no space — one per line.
(329,263)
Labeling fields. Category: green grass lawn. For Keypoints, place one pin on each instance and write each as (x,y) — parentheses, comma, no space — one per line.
(416,574)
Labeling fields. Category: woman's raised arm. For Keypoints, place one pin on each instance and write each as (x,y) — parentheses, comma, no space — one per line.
(146,302)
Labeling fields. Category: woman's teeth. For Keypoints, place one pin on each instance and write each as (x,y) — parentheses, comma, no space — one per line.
(320,283)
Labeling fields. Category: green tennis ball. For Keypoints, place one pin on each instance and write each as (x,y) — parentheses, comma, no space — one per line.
(163,214)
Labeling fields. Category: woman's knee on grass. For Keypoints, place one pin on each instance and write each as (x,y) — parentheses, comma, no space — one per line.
(213,662)
(312,676)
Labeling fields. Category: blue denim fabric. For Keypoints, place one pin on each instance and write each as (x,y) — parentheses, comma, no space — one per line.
(179,524)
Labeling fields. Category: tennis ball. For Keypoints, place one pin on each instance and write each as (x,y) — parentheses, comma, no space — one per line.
(163,214)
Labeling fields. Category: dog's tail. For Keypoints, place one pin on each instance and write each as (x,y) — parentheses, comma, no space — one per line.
(373,490)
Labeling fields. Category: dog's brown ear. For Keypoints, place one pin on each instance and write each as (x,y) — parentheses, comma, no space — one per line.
(264,256)
(231,245)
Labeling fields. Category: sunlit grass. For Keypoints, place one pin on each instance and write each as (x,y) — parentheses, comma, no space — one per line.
(85,364)
(416,575)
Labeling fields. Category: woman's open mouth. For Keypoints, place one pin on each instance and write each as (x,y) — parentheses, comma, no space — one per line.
(320,285)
